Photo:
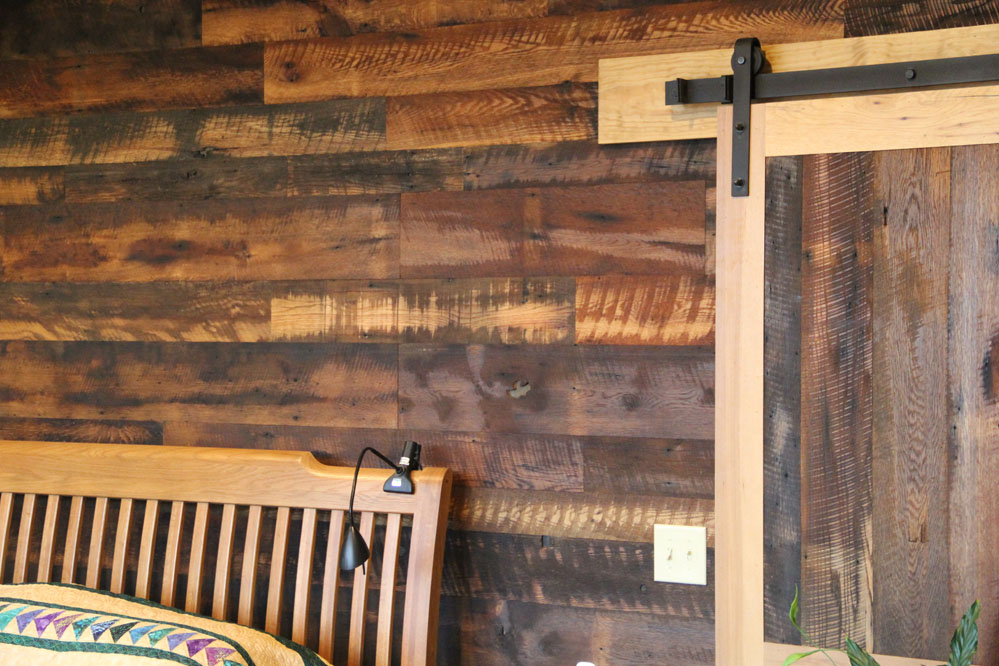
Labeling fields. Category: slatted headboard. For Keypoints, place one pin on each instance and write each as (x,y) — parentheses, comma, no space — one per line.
(220,508)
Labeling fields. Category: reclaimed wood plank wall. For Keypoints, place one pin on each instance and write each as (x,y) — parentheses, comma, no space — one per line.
(327,224)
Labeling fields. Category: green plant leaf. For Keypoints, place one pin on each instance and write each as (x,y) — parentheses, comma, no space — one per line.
(964,644)
(793,613)
(798,656)
(858,655)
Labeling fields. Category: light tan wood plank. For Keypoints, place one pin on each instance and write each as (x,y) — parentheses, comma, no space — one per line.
(359,597)
(775,655)
(386,591)
(275,584)
(28,506)
(172,556)
(331,586)
(47,551)
(147,543)
(6,511)
(121,538)
(69,553)
(739,397)
(632,94)
(195,569)
(96,555)
(890,121)
(248,577)
(223,563)
(303,576)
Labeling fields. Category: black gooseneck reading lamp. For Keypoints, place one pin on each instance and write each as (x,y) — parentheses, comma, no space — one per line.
(353,551)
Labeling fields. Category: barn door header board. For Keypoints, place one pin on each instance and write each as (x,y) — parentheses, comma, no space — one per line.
(857,423)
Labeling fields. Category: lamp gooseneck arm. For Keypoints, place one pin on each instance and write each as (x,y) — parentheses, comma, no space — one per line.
(357,470)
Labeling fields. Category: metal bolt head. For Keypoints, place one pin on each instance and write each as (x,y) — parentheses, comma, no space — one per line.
(740,127)
(738,182)
(910,74)
(741,60)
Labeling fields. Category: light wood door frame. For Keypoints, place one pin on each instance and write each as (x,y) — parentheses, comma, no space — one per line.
(893,121)
(631,110)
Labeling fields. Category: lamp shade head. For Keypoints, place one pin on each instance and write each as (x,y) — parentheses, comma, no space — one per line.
(353,551)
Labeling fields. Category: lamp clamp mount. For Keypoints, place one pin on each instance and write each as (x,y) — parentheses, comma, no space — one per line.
(751,81)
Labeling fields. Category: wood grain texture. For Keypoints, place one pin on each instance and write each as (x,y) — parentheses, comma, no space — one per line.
(672,311)
(911,258)
(149,80)
(555,231)
(493,55)
(239,21)
(972,352)
(574,390)
(76,430)
(879,17)
(317,384)
(40,29)
(836,399)
(31,186)
(241,131)
(387,172)
(782,397)
(567,112)
(266,239)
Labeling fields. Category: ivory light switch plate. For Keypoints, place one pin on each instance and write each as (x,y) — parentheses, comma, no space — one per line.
(681,554)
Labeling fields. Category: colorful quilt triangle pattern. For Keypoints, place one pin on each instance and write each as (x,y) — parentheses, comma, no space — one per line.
(119,630)
(173,640)
(158,635)
(81,625)
(62,624)
(98,628)
(8,615)
(25,618)
(139,632)
(43,621)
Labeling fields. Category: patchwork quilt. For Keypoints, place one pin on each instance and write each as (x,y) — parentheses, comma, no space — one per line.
(63,625)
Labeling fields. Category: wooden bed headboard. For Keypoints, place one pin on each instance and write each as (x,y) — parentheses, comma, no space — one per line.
(199,514)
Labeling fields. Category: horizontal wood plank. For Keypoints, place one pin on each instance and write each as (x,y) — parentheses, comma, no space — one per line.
(864,18)
(617,391)
(387,172)
(353,385)
(31,186)
(249,239)
(628,228)
(644,310)
(78,430)
(533,52)
(240,131)
(241,21)
(148,80)
(50,29)
(567,112)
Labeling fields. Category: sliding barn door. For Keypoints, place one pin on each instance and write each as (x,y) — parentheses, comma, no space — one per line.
(881,397)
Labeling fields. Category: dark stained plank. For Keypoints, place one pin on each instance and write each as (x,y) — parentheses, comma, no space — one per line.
(645,310)
(570,572)
(532,52)
(568,7)
(608,516)
(178,180)
(242,131)
(150,80)
(50,28)
(617,391)
(973,350)
(480,460)
(627,228)
(836,407)
(911,261)
(154,311)
(73,430)
(240,21)
(587,163)
(879,17)
(666,467)
(387,172)
(31,186)
(512,632)
(343,385)
(567,112)
(249,239)
(782,397)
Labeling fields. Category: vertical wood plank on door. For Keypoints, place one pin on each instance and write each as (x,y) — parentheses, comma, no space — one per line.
(911,255)
(782,397)
(69,553)
(739,396)
(47,550)
(836,359)
(973,365)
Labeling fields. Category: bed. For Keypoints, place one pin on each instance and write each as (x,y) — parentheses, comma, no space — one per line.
(246,537)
